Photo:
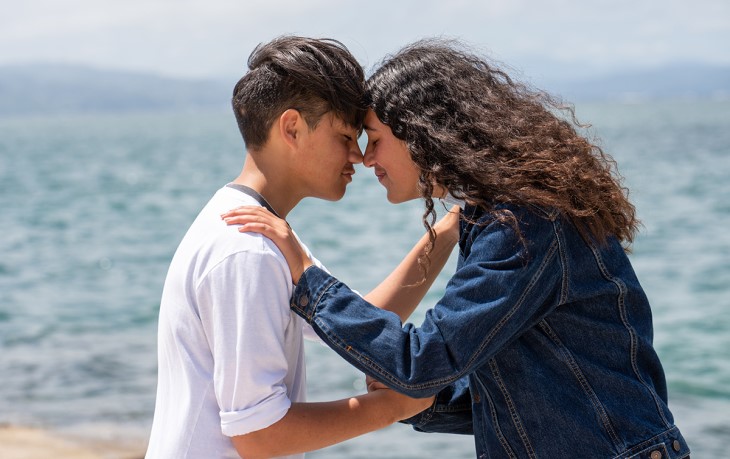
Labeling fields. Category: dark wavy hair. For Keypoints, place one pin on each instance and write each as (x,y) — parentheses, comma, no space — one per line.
(492,140)
(313,76)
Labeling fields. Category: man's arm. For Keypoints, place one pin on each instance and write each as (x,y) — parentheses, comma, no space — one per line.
(244,308)
(311,426)
(402,290)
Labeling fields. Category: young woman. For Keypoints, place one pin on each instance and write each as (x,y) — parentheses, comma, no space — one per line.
(542,343)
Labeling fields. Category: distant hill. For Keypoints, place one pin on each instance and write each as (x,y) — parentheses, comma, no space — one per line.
(668,82)
(56,89)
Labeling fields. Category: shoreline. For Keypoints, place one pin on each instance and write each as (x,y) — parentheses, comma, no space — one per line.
(19,442)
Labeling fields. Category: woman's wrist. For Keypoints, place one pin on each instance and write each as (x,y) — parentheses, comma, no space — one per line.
(448,226)
(295,276)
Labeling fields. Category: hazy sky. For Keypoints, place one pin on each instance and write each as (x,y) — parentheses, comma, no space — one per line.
(212,38)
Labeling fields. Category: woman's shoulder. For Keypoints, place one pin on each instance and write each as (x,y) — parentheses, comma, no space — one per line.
(522,217)
(509,228)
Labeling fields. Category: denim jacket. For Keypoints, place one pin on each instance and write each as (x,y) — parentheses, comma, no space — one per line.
(541,346)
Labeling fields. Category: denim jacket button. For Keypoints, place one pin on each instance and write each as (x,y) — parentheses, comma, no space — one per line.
(656,455)
(303,301)
(676,445)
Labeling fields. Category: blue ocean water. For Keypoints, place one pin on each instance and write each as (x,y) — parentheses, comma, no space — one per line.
(93,208)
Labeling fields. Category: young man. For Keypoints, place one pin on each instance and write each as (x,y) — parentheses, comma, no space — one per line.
(231,360)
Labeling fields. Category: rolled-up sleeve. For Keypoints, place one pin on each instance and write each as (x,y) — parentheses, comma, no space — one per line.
(244,308)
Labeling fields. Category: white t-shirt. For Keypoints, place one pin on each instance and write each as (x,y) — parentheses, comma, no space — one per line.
(230,352)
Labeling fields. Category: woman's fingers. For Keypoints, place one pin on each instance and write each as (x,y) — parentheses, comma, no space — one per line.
(246,211)
(259,220)
(373,384)
(255,218)
(243,219)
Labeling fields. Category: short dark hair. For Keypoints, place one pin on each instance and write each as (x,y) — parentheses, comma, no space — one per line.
(313,76)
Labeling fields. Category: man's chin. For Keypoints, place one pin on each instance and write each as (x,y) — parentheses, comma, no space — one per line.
(336,196)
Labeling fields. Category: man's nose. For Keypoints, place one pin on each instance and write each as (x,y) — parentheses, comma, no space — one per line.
(356,154)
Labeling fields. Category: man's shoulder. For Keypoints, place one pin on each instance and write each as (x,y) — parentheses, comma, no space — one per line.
(209,233)
(210,243)
(229,246)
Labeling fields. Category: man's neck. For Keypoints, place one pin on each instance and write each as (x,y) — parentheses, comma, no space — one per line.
(270,183)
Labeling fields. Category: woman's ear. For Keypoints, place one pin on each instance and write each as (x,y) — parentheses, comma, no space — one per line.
(290,126)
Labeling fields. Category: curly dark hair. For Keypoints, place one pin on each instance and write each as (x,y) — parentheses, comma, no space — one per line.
(313,76)
(491,140)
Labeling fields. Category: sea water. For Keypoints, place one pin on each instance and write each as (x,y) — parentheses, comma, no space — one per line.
(93,207)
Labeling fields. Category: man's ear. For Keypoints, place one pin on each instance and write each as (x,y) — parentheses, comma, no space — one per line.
(291,123)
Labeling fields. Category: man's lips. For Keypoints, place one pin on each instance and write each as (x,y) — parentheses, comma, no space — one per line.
(348,174)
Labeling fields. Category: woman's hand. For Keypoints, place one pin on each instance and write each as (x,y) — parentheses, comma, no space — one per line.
(408,406)
(257,219)
(373,384)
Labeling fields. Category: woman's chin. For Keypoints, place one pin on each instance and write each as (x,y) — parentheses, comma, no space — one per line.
(399,199)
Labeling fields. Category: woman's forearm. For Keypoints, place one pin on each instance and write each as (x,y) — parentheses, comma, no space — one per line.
(405,287)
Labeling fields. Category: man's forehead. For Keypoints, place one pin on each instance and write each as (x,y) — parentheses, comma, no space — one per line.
(338,123)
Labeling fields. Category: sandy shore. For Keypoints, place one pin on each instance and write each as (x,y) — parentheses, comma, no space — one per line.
(28,443)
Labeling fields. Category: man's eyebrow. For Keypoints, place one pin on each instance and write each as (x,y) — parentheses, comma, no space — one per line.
(367,128)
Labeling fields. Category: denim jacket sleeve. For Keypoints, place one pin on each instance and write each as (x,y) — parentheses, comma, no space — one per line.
(450,413)
(504,285)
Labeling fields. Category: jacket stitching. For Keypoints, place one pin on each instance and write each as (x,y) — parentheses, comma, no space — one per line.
(512,408)
(324,290)
(520,301)
(382,373)
(495,420)
(563,260)
(585,385)
(632,334)
(669,433)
